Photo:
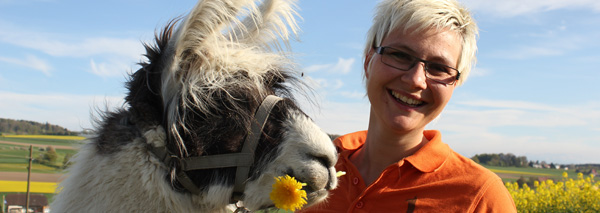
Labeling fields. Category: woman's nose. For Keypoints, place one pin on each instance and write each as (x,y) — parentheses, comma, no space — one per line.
(416,76)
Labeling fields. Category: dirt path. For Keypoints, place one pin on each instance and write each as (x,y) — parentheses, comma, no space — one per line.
(38,145)
(37,177)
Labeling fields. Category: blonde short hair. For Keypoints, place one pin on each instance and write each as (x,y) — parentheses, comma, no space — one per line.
(421,15)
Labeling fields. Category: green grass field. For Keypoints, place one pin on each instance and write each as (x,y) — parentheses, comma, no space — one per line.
(15,158)
(513,173)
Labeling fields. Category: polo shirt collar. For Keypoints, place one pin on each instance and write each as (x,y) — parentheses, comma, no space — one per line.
(431,156)
(427,159)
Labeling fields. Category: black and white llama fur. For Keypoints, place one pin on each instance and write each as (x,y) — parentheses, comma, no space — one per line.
(197,94)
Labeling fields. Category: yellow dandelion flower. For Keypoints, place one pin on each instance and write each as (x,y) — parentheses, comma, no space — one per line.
(287,193)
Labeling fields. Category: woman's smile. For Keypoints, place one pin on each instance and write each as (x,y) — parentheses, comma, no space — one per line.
(405,100)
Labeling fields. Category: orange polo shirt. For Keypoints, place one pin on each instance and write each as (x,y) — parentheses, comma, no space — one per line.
(434,179)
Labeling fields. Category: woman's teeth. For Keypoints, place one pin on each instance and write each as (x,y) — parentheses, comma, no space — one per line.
(406,100)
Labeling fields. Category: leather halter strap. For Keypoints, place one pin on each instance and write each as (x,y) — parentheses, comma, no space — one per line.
(242,160)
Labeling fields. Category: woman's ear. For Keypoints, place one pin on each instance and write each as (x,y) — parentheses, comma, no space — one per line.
(367,61)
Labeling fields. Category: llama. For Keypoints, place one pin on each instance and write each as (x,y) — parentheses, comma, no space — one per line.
(194,134)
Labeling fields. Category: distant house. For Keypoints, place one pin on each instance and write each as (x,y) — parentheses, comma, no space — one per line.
(535,165)
(17,202)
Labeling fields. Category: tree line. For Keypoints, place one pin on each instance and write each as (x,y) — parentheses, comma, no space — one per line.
(501,159)
(23,127)
(509,159)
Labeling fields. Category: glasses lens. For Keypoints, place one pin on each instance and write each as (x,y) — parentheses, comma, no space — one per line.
(397,59)
(441,73)
(404,61)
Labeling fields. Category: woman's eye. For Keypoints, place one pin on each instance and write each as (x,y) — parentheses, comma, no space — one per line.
(401,56)
(438,68)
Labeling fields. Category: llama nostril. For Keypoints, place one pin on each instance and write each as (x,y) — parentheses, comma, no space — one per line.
(323,160)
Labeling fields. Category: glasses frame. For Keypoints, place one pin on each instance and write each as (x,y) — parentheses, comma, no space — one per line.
(380,50)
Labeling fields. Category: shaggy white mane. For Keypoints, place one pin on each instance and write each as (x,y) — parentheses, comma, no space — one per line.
(213,41)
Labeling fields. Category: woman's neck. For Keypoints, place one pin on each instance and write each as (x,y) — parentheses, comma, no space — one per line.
(383,148)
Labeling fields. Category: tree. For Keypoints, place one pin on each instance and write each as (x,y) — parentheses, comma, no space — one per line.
(67,160)
(522,161)
(50,156)
(476,159)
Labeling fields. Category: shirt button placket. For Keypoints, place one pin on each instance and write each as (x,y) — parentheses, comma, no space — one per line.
(359,205)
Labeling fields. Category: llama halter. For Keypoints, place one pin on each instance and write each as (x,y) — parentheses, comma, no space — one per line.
(242,160)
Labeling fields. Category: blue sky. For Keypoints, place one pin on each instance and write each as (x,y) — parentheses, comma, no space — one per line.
(533,92)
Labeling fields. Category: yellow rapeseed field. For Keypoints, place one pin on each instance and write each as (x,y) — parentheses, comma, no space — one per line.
(61,137)
(569,195)
(21,186)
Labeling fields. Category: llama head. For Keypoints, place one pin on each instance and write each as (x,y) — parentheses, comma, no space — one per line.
(205,78)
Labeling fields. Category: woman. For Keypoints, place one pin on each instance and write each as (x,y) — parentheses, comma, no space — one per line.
(417,52)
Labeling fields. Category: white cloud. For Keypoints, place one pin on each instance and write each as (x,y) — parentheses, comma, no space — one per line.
(550,44)
(130,48)
(322,83)
(512,117)
(112,68)
(508,104)
(353,45)
(536,147)
(511,8)
(70,111)
(343,66)
(317,67)
(479,72)
(353,95)
(336,84)
(311,82)
(339,118)
(526,52)
(32,62)
(120,52)
(67,46)
(522,128)
(495,113)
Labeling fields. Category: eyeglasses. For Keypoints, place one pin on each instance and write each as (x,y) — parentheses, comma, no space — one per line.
(403,61)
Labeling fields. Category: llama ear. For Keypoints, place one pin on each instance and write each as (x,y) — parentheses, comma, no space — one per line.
(213,21)
(264,26)
(205,23)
